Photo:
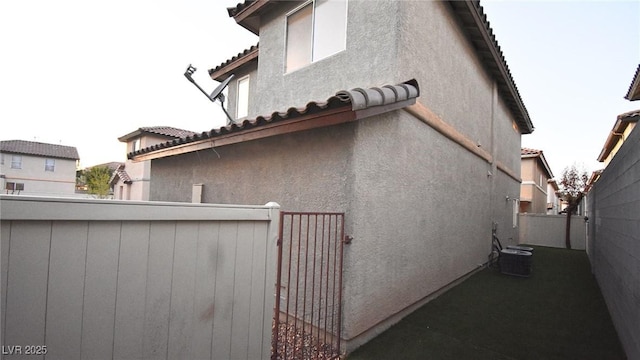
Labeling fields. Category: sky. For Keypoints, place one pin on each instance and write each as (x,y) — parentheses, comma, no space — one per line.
(83,73)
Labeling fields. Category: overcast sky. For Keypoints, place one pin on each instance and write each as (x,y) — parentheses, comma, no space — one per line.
(84,73)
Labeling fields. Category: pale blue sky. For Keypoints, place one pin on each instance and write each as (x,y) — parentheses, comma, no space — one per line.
(573,63)
(83,73)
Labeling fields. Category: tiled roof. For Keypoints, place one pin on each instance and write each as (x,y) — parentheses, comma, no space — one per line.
(534,153)
(630,116)
(235,62)
(233,11)
(120,173)
(527,151)
(39,149)
(166,131)
(634,89)
(111,165)
(247,13)
(359,99)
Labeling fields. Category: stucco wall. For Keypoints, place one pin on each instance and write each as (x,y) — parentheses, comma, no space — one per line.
(420,209)
(614,241)
(307,171)
(37,181)
(369,59)
(433,49)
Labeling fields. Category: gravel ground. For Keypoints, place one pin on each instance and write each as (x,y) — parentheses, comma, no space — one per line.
(301,345)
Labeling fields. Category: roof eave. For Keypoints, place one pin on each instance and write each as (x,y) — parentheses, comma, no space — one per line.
(223,72)
(515,104)
(634,90)
(249,17)
(311,121)
(131,135)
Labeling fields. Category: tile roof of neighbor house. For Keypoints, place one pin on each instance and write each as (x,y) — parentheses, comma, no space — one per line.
(113,165)
(120,173)
(166,131)
(474,22)
(526,153)
(622,121)
(39,149)
(368,101)
(634,88)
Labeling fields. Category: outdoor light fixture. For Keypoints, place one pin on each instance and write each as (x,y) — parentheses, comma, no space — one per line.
(216,94)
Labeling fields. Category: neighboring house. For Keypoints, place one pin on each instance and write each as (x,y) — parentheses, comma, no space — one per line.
(625,123)
(35,168)
(553,200)
(130,181)
(422,168)
(534,191)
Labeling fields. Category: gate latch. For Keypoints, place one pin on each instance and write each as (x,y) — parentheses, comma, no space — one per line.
(347,239)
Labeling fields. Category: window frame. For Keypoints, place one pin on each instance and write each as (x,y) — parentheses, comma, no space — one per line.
(49,167)
(312,58)
(14,162)
(247,79)
(137,144)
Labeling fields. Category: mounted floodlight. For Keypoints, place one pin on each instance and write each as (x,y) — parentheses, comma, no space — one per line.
(216,94)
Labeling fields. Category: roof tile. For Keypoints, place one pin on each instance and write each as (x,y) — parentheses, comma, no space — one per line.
(358,98)
(39,149)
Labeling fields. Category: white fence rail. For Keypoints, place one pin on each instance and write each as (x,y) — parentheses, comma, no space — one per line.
(120,280)
(549,230)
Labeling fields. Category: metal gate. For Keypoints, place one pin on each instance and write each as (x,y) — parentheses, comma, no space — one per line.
(308,310)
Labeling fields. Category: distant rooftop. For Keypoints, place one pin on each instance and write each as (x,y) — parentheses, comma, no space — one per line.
(39,149)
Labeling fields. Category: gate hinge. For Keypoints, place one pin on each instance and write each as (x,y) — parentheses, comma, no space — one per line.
(347,239)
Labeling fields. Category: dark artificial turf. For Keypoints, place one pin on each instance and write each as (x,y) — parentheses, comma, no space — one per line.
(556,313)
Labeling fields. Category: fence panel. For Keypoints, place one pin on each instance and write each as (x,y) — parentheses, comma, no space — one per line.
(549,230)
(94,279)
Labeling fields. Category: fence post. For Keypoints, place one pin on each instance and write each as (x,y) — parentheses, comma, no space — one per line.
(270,285)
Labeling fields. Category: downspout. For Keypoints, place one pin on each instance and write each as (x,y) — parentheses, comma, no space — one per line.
(494,150)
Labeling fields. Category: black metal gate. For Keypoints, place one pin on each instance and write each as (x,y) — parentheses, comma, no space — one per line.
(308,311)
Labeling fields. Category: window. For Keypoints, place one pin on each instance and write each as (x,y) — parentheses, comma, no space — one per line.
(13,187)
(242,102)
(136,144)
(49,165)
(315,31)
(16,162)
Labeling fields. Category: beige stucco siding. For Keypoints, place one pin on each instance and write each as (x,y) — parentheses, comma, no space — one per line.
(36,180)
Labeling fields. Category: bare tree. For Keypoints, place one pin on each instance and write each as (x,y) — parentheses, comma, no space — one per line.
(573,183)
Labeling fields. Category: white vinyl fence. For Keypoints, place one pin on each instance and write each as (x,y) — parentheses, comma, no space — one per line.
(549,230)
(122,280)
